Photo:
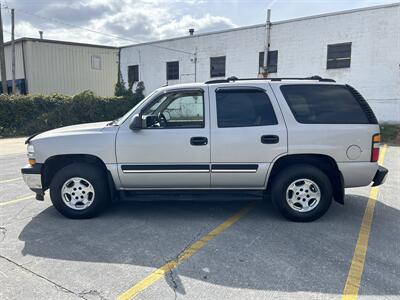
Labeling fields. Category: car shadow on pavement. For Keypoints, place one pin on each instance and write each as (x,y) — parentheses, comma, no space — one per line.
(262,251)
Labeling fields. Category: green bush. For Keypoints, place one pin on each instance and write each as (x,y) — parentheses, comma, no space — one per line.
(23,115)
(390,133)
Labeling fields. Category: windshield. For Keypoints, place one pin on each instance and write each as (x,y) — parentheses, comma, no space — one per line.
(124,117)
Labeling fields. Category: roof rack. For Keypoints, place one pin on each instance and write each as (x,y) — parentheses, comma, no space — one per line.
(234,78)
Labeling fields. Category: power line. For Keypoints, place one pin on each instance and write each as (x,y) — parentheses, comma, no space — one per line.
(97,32)
(9,32)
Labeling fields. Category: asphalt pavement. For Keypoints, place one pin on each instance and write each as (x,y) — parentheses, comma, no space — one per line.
(209,255)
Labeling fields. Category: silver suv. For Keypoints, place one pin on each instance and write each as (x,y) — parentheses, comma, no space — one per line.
(300,141)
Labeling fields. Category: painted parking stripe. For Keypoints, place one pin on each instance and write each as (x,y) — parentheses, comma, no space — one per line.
(17,200)
(10,180)
(353,281)
(185,255)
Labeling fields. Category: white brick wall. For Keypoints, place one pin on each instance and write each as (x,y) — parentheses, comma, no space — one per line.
(302,51)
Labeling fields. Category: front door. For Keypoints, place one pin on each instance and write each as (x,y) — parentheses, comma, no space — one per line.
(247,132)
(172,150)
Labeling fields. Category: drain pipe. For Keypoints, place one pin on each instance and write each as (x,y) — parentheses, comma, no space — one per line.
(267,43)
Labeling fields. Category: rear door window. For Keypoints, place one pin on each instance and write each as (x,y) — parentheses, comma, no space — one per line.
(324,104)
(244,107)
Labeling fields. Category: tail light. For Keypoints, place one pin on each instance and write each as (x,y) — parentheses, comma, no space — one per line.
(376,142)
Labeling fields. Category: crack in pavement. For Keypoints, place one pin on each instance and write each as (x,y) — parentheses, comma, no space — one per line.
(58,286)
(174,286)
(94,293)
(171,274)
(3,232)
(174,283)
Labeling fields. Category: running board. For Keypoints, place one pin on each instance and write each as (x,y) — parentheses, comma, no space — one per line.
(191,195)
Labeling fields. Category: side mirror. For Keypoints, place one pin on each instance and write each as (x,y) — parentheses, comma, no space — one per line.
(136,123)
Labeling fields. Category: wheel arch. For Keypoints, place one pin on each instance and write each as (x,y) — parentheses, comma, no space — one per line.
(323,162)
(55,163)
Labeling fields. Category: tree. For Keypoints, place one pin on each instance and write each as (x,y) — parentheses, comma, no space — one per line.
(139,91)
(120,89)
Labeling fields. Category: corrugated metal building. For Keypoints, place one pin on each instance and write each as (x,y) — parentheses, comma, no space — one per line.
(360,47)
(49,66)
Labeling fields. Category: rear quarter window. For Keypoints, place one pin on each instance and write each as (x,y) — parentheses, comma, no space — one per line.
(325,104)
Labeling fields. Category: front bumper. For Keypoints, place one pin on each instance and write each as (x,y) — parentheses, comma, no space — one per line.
(380,176)
(33,177)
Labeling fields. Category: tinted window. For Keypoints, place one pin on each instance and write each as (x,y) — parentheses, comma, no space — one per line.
(272,61)
(217,66)
(339,56)
(133,74)
(239,108)
(172,70)
(324,104)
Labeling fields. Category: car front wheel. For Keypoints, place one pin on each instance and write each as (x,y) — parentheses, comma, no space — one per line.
(79,191)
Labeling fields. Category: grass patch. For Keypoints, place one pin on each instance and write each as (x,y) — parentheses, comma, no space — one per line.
(390,133)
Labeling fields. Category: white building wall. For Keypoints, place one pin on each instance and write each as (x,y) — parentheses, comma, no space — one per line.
(375,57)
(302,51)
(241,48)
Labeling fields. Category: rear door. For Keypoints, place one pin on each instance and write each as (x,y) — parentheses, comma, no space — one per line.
(247,134)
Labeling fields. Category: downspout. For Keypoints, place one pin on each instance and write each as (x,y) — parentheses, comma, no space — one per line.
(24,66)
(195,65)
(119,74)
(140,66)
(267,43)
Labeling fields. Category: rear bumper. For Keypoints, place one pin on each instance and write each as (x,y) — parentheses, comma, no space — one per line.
(357,174)
(380,176)
(33,177)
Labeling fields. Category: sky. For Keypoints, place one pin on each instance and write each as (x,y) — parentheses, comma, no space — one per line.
(125,22)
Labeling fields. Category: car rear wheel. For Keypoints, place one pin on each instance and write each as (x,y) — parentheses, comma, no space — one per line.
(79,191)
(302,193)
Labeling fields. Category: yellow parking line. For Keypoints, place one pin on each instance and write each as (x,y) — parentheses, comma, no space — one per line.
(10,180)
(352,286)
(188,252)
(17,200)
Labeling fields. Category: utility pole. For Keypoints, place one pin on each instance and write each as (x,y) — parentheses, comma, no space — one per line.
(267,43)
(195,64)
(2,58)
(14,87)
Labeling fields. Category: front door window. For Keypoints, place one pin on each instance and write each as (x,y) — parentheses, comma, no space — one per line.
(176,110)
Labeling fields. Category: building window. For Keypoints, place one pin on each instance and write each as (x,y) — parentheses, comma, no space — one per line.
(172,70)
(96,62)
(217,66)
(133,74)
(272,62)
(339,56)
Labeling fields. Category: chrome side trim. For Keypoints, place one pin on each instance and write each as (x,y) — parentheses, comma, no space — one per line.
(234,171)
(165,171)
(194,168)
(234,168)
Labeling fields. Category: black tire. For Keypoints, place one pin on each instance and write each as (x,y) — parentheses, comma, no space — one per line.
(95,176)
(289,175)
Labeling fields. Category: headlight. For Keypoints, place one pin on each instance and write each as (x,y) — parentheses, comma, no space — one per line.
(30,148)
(31,154)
